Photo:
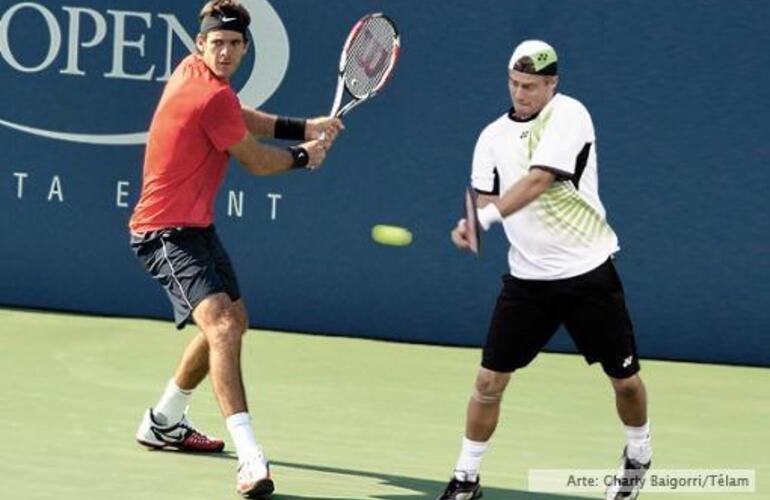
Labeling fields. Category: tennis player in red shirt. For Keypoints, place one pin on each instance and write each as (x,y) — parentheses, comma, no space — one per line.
(198,125)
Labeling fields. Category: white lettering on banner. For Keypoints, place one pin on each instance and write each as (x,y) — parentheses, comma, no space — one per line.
(274,197)
(73,47)
(236,198)
(120,199)
(54,33)
(56,190)
(268,37)
(120,44)
(174,28)
(235,204)
(20,185)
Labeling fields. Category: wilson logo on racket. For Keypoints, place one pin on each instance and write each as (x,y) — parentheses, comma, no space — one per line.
(373,59)
(71,37)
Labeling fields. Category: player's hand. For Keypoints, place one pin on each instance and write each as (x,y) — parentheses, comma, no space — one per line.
(460,236)
(316,151)
(323,126)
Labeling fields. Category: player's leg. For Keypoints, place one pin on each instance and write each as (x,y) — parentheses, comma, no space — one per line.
(484,406)
(598,321)
(521,325)
(242,313)
(224,322)
(636,458)
(172,404)
(219,321)
(181,262)
(253,478)
(482,415)
(194,365)
(192,369)
(630,400)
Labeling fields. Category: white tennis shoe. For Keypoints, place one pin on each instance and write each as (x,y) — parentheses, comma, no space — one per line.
(253,478)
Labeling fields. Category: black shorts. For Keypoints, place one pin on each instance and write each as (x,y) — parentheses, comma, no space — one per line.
(190,263)
(591,306)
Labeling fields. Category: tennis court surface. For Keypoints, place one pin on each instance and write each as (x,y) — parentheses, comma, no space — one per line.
(341,418)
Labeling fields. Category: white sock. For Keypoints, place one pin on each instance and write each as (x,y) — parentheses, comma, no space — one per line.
(639,445)
(239,425)
(469,462)
(171,405)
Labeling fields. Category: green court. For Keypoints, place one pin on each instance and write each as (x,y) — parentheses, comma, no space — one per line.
(341,418)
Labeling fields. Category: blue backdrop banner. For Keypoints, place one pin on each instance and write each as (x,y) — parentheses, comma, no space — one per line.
(679,96)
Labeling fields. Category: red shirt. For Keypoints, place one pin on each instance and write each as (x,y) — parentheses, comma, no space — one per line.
(197,119)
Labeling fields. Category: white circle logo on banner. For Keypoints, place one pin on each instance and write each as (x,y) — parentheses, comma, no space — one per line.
(271,59)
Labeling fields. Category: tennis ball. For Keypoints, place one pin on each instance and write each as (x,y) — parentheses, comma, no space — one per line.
(391,235)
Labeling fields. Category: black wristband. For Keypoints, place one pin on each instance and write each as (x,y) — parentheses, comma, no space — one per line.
(292,129)
(300,156)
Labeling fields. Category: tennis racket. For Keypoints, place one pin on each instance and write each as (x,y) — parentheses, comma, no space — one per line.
(367,61)
(472,225)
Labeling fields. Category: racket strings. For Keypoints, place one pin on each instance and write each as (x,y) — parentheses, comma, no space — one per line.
(369,56)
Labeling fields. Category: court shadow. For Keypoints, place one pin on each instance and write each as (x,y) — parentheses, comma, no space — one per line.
(422,488)
(222,455)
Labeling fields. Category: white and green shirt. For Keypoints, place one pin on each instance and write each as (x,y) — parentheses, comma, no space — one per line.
(564,232)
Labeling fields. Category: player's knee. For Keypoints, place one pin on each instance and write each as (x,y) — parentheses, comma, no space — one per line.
(226,329)
(629,387)
(243,325)
(490,387)
(239,310)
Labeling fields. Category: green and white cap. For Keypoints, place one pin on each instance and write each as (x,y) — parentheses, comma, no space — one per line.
(535,57)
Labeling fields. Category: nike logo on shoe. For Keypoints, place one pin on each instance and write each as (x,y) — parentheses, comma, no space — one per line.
(172,436)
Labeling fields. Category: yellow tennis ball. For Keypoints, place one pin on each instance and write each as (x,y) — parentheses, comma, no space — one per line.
(391,235)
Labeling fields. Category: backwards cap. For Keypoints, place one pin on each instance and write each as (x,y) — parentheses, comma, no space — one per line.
(534,57)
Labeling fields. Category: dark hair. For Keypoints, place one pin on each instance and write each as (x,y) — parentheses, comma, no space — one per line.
(226,8)
(525,64)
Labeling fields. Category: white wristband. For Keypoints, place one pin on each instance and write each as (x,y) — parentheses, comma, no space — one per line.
(488,216)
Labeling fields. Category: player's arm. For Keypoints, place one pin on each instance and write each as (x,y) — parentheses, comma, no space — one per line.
(518,196)
(263,124)
(494,208)
(485,199)
(259,123)
(262,159)
(484,181)
(459,234)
